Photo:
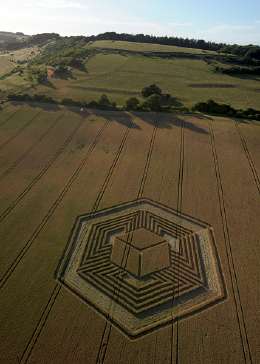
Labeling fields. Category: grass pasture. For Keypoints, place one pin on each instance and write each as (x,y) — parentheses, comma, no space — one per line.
(122,76)
(144,47)
(5,65)
(58,163)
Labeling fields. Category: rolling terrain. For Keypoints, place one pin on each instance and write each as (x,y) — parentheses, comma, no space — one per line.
(59,164)
(121,69)
(121,76)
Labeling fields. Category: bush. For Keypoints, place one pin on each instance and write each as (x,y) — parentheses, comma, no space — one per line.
(132,104)
(70,102)
(238,71)
(62,71)
(33,98)
(38,74)
(153,103)
(212,107)
(105,104)
(167,101)
(151,90)
(93,105)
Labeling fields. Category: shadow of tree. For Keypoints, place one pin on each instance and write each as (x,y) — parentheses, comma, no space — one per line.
(161,119)
(42,105)
(121,117)
(246,121)
(168,121)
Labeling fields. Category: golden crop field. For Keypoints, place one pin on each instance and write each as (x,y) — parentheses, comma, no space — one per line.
(128,238)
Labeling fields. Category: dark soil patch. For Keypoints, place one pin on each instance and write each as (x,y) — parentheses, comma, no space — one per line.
(212,85)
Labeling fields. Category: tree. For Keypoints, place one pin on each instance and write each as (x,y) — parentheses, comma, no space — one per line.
(153,103)
(41,76)
(104,101)
(106,104)
(253,52)
(151,90)
(132,103)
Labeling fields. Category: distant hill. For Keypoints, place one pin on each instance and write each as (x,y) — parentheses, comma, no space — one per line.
(6,37)
(13,41)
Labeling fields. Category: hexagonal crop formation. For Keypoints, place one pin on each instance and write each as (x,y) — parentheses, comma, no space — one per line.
(142,265)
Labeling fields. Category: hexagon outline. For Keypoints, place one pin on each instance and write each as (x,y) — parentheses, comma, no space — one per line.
(135,204)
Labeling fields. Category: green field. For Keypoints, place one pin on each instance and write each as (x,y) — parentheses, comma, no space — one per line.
(10,60)
(144,47)
(123,76)
(122,69)
(5,64)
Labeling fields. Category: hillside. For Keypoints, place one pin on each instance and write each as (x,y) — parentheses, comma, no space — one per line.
(86,69)
(6,37)
(145,47)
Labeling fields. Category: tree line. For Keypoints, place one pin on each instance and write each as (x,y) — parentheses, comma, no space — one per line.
(214,108)
(153,100)
(248,52)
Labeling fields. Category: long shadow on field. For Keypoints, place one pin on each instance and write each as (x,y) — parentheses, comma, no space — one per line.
(42,105)
(121,117)
(246,121)
(168,121)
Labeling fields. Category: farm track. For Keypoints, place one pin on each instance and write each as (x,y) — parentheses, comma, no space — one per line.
(159,180)
(38,177)
(229,253)
(248,156)
(101,355)
(175,325)
(116,177)
(99,150)
(26,125)
(54,206)
(5,121)
(29,150)
(29,348)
